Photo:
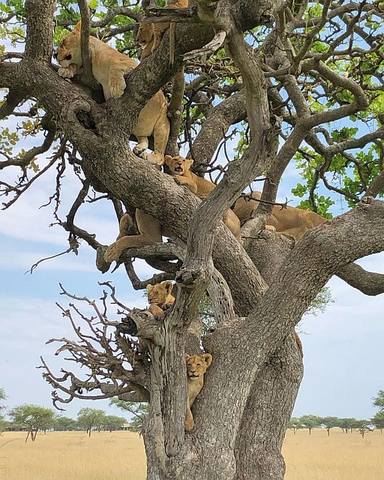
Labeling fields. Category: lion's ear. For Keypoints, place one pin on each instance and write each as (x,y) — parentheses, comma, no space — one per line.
(149,289)
(77,27)
(188,162)
(187,357)
(207,357)
(168,286)
(167,159)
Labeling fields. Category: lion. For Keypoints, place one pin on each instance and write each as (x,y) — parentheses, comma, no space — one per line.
(109,67)
(149,35)
(197,365)
(179,168)
(150,232)
(160,298)
(290,221)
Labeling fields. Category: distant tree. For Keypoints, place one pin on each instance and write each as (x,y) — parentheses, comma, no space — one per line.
(63,424)
(294,424)
(330,422)
(90,418)
(362,426)
(113,422)
(139,411)
(379,400)
(33,418)
(2,397)
(378,421)
(346,424)
(310,422)
(2,419)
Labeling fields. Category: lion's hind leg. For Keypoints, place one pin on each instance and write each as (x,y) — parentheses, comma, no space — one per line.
(149,233)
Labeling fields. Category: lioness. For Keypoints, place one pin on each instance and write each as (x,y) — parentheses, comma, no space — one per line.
(160,298)
(179,168)
(290,221)
(197,365)
(109,67)
(149,35)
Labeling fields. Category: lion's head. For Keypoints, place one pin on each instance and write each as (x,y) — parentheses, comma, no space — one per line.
(197,365)
(160,293)
(69,51)
(144,34)
(178,165)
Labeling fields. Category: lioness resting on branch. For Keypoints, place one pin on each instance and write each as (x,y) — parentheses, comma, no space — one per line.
(197,365)
(289,221)
(160,298)
(109,67)
(179,168)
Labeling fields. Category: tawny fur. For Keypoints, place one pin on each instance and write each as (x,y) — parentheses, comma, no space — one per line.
(149,35)
(197,365)
(160,298)
(289,221)
(109,67)
(179,168)
(149,233)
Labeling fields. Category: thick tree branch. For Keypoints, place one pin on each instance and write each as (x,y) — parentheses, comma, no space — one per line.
(38,44)
(369,283)
(85,52)
(218,121)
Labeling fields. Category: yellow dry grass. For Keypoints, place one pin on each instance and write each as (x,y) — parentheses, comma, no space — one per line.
(340,456)
(117,455)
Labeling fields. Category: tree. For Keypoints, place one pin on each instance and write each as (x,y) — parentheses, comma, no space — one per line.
(362,426)
(2,419)
(295,424)
(310,422)
(113,422)
(346,424)
(330,422)
(64,424)
(296,82)
(90,418)
(378,421)
(138,410)
(2,397)
(379,400)
(33,418)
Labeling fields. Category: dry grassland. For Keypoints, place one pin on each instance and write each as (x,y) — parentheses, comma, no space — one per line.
(120,455)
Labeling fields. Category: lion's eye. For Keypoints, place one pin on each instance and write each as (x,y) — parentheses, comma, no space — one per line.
(68,57)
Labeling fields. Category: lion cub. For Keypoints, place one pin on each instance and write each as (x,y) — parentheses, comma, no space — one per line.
(109,67)
(160,298)
(180,170)
(197,365)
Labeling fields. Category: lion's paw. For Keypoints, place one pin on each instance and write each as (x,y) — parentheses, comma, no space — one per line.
(113,252)
(66,72)
(117,87)
(139,150)
(155,158)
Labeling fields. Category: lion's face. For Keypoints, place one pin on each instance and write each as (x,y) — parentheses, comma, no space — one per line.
(69,51)
(197,365)
(178,165)
(144,34)
(158,293)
